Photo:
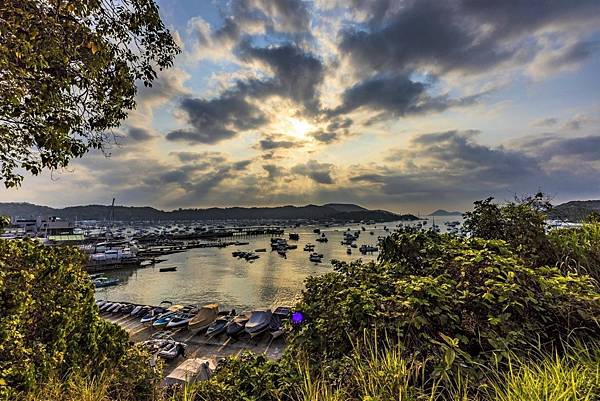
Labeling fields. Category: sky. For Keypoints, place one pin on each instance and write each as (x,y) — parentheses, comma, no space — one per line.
(401,105)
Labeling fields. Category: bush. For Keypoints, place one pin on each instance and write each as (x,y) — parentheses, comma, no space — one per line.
(578,249)
(246,377)
(445,298)
(50,326)
(521,223)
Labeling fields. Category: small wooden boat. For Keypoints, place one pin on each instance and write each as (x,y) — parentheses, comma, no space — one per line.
(168,269)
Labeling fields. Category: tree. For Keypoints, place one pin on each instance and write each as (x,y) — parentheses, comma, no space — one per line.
(50,325)
(521,223)
(4,221)
(68,75)
(592,217)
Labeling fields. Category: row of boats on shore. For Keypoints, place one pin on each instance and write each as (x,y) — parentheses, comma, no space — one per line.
(206,318)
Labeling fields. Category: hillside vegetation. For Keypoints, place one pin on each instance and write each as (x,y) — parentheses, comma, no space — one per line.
(333,211)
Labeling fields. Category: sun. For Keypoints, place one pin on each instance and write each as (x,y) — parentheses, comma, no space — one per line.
(299,128)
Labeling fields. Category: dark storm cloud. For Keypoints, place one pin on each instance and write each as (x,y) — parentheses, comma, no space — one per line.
(449,35)
(140,134)
(396,96)
(452,165)
(296,74)
(217,119)
(318,172)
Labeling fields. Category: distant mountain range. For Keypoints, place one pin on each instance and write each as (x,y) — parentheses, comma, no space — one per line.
(330,211)
(442,212)
(574,210)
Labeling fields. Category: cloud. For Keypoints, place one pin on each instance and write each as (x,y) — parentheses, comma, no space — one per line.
(217,119)
(271,143)
(544,122)
(296,74)
(465,36)
(138,134)
(452,167)
(318,172)
(396,96)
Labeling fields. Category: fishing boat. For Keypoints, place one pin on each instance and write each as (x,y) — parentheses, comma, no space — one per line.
(237,324)
(102,281)
(259,322)
(168,269)
(205,316)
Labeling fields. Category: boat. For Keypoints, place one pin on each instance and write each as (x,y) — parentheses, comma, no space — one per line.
(349,250)
(102,281)
(236,325)
(172,350)
(309,247)
(218,326)
(314,257)
(294,236)
(281,253)
(190,371)
(322,239)
(205,316)
(260,250)
(168,269)
(182,317)
(238,243)
(259,322)
(164,319)
(316,230)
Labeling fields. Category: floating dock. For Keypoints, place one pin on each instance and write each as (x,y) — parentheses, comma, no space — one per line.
(198,344)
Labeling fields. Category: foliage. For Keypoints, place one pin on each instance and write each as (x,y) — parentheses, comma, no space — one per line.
(245,377)
(521,223)
(577,249)
(68,72)
(50,326)
(386,373)
(450,301)
(4,221)
(592,218)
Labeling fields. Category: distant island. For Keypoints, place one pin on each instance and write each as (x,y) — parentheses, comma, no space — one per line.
(329,212)
(574,210)
(442,212)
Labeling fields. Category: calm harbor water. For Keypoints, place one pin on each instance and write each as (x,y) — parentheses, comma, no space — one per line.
(214,275)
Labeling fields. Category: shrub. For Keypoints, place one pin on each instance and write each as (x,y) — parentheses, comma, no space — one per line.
(578,249)
(521,223)
(445,298)
(50,326)
(246,377)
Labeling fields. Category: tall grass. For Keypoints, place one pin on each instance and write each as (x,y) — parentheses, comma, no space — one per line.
(386,375)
